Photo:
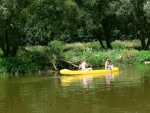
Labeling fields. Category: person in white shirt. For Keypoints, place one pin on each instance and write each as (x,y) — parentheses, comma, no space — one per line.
(83,65)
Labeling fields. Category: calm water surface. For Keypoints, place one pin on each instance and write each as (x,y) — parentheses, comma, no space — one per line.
(126,92)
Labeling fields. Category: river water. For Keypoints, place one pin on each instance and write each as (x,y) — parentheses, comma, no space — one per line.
(125,92)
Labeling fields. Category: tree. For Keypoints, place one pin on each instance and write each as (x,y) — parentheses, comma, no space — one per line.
(94,17)
(140,22)
(43,21)
(147,14)
(11,25)
(132,13)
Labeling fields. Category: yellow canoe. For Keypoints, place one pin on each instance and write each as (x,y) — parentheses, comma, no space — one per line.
(80,72)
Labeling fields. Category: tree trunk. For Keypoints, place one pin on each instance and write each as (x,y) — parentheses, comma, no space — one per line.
(108,37)
(107,24)
(101,43)
(148,44)
(7,48)
(98,35)
(13,50)
(142,39)
(143,44)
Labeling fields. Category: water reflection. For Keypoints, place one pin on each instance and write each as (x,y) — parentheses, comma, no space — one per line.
(109,78)
(88,81)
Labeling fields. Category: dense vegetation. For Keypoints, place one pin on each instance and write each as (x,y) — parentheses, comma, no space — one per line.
(26,23)
(46,58)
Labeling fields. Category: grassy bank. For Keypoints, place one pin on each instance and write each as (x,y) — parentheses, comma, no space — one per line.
(46,58)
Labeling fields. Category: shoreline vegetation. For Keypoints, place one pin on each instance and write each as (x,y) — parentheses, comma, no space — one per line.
(58,55)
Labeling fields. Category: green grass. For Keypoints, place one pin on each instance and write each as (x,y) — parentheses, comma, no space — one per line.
(126,44)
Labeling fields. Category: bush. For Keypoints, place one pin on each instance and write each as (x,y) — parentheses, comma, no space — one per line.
(126,44)
(93,45)
(142,56)
(56,48)
(128,55)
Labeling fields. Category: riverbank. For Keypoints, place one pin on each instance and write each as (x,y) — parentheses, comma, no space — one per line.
(47,58)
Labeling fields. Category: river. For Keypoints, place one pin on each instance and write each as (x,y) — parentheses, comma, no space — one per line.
(125,92)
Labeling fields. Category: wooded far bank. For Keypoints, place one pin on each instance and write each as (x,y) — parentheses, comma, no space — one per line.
(38,22)
(58,55)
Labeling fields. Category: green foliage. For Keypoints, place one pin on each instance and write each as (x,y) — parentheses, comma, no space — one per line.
(96,57)
(24,62)
(74,52)
(126,44)
(136,44)
(39,58)
(19,65)
(11,25)
(94,45)
(146,8)
(118,44)
(55,50)
(128,55)
(39,22)
(143,56)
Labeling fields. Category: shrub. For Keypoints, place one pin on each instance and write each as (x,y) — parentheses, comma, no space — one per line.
(128,55)
(93,45)
(142,56)
(118,44)
(126,44)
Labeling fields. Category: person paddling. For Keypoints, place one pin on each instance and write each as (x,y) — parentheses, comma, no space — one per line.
(107,64)
(82,66)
